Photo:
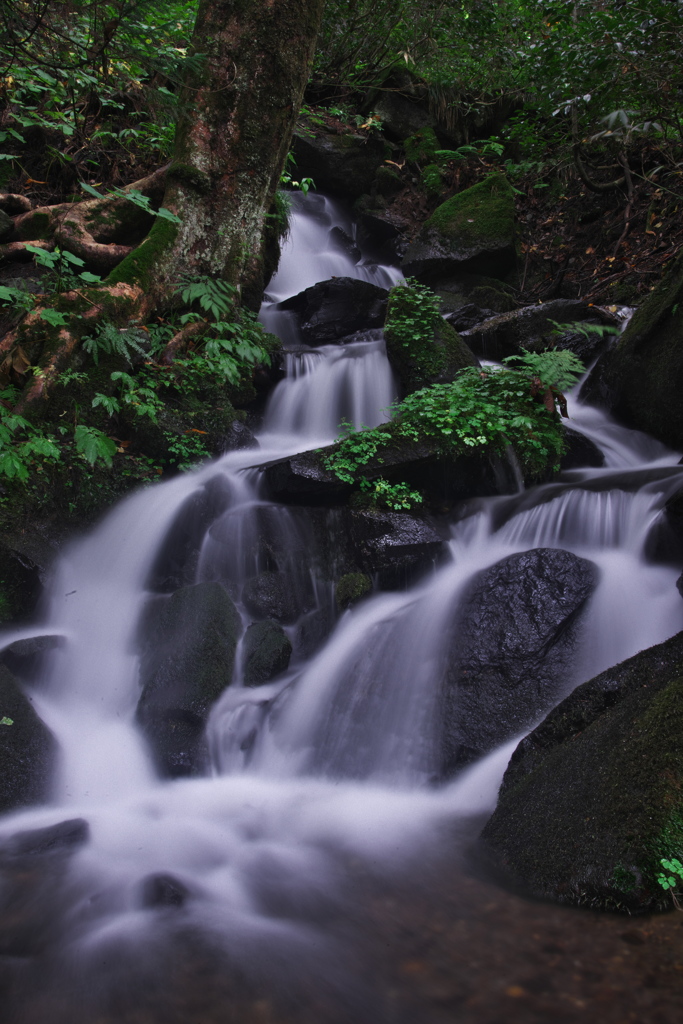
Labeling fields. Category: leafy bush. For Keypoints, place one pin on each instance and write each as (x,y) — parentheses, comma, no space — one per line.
(483,408)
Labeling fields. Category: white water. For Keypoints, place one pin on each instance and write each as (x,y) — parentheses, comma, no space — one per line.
(342,748)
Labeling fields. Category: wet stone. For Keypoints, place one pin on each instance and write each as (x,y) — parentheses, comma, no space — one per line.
(163,891)
(267,650)
(65,837)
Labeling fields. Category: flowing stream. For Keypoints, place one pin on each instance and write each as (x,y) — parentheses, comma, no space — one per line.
(334,759)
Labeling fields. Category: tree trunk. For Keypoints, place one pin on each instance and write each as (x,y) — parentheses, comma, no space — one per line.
(239,106)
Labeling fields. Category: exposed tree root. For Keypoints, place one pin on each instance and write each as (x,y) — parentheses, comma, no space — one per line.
(102,232)
(180,341)
(47,350)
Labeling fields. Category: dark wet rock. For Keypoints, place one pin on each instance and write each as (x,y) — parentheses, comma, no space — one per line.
(20,582)
(176,561)
(591,799)
(474,232)
(401,117)
(679,584)
(581,452)
(64,838)
(468,316)
(512,651)
(336,308)
(28,749)
(344,165)
(267,650)
(665,539)
(303,480)
(394,547)
(239,438)
(269,595)
(187,661)
(640,379)
(351,588)
(163,891)
(423,363)
(532,328)
(378,238)
(23,657)
(343,242)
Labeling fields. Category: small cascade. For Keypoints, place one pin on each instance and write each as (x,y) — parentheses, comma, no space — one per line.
(337,756)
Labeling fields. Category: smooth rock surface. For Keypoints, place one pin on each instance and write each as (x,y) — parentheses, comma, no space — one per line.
(513,641)
(334,309)
(266,651)
(187,661)
(28,750)
(591,799)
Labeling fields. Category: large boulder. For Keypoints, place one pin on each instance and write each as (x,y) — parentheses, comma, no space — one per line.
(187,661)
(420,363)
(473,232)
(303,480)
(591,800)
(641,378)
(28,749)
(512,650)
(533,328)
(334,309)
(270,595)
(266,651)
(344,165)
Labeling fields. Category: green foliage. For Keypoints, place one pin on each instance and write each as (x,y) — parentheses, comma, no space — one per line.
(93,445)
(414,311)
(19,298)
(674,873)
(484,408)
(554,368)
(396,497)
(21,443)
(135,197)
(186,450)
(111,340)
(235,341)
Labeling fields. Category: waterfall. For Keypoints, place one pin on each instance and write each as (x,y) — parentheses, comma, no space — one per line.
(336,757)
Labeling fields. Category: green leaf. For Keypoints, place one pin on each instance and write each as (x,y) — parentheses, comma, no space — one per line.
(53,317)
(6,721)
(94,445)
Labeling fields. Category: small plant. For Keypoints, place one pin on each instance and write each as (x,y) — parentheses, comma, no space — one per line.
(93,445)
(111,340)
(671,877)
(186,449)
(396,497)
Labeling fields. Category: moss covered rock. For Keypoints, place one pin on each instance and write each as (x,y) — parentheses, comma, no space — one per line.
(267,650)
(342,164)
(640,380)
(592,798)
(351,588)
(187,662)
(474,232)
(422,348)
(421,147)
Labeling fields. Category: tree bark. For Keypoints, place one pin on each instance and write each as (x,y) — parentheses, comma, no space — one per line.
(239,107)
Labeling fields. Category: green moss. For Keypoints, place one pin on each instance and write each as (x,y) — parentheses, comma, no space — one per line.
(387,182)
(422,348)
(421,147)
(139,266)
(488,297)
(37,225)
(351,588)
(483,213)
(591,822)
(191,177)
(431,180)
(267,650)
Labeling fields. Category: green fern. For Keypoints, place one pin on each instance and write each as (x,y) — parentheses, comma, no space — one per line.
(114,341)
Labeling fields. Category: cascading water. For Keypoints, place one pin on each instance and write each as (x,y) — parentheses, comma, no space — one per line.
(336,756)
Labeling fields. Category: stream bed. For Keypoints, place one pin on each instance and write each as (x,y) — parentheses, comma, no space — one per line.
(314,871)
